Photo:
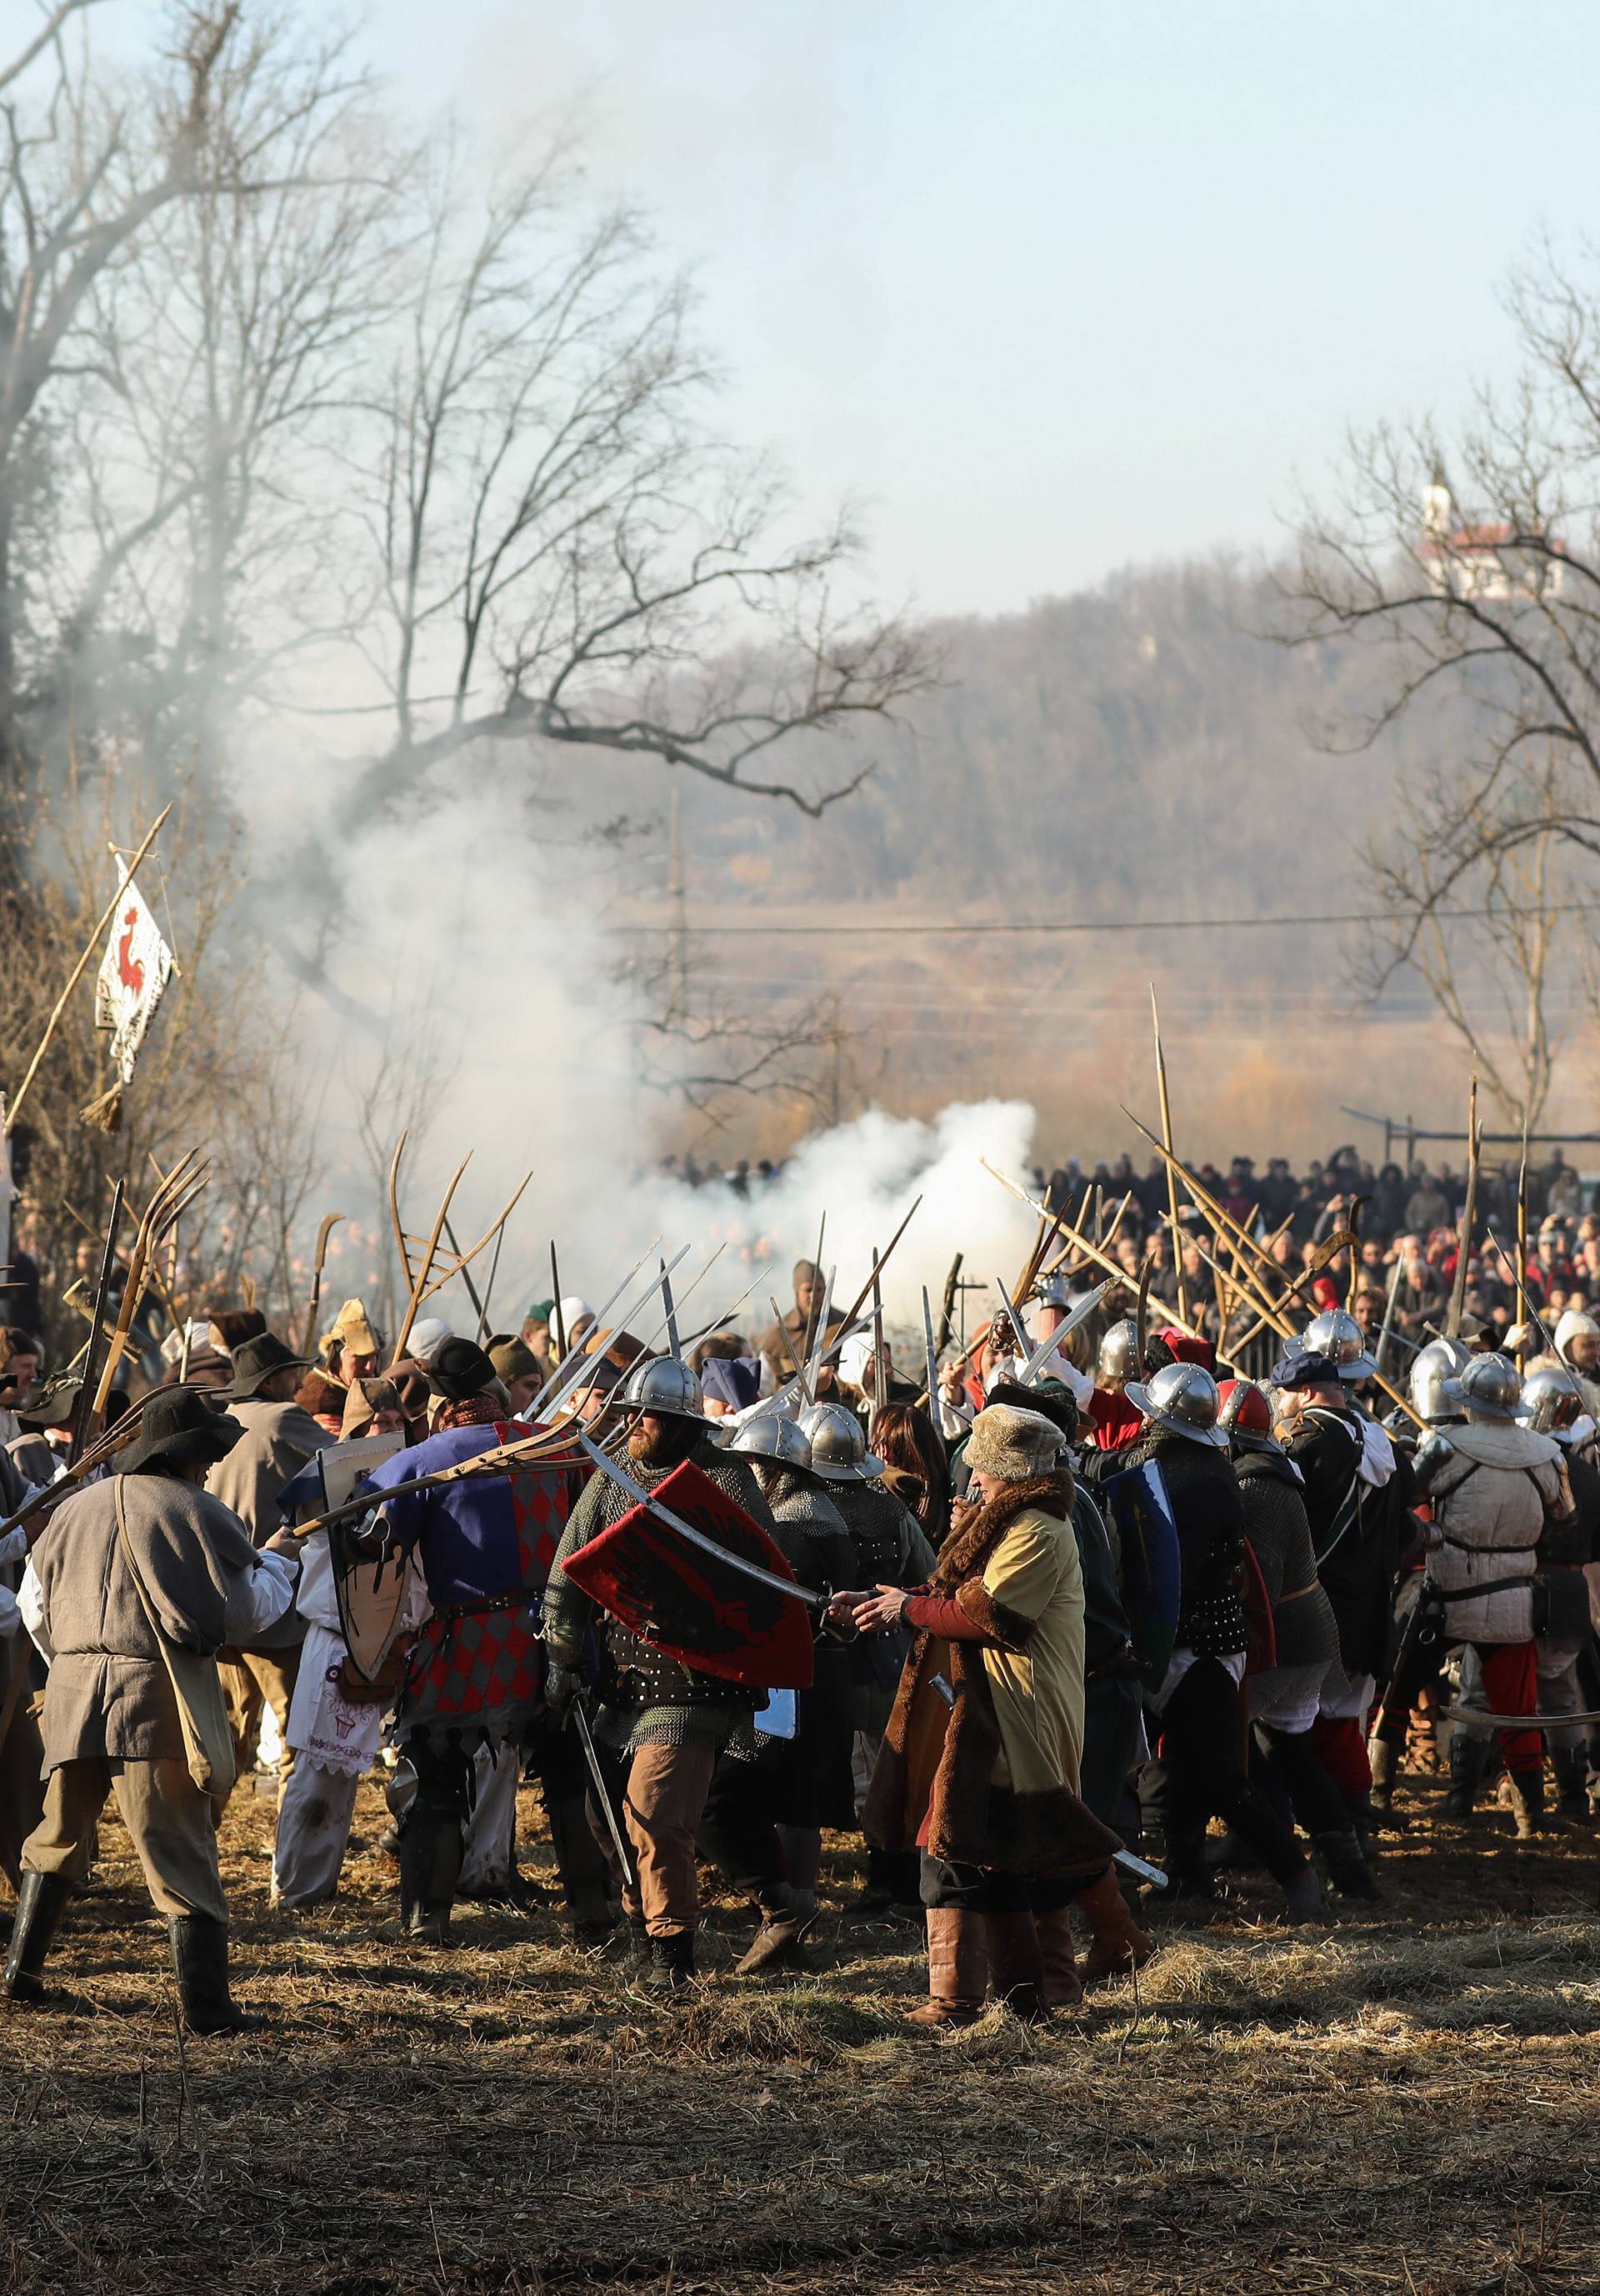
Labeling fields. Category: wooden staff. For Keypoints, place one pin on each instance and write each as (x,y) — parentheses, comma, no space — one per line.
(1469,1212)
(1090,1251)
(106,914)
(1521,1266)
(1161,1085)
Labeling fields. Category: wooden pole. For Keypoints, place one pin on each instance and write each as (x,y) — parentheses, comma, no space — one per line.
(106,914)
(1161,1085)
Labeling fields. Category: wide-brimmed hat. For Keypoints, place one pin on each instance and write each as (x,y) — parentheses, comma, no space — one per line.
(459,1369)
(255,1362)
(48,1402)
(178,1429)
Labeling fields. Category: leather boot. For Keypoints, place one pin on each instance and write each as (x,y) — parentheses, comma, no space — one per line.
(1340,1850)
(1188,1876)
(1469,1758)
(199,1956)
(957,1968)
(430,1864)
(1017,1965)
(1303,1897)
(1062,1986)
(1570,1766)
(778,1942)
(671,1970)
(585,1876)
(43,1900)
(1528,1804)
(1120,1944)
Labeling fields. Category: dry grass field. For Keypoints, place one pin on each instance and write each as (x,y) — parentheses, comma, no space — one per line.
(1409,2103)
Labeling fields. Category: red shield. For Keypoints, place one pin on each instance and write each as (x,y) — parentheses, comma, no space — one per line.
(685,1604)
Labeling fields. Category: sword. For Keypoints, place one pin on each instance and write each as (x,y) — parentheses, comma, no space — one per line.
(813,1370)
(697,1538)
(1023,1339)
(674,1345)
(601,1794)
(1064,1330)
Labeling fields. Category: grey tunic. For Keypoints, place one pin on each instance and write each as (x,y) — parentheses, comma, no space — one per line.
(108,1693)
(278,1440)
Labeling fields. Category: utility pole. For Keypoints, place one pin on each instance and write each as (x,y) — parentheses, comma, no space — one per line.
(678,942)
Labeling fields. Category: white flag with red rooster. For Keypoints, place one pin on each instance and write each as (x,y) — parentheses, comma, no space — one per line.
(133,975)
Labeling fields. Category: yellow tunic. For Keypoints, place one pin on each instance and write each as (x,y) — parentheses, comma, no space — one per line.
(1035,1573)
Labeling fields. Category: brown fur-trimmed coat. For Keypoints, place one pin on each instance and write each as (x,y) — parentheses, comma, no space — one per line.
(948,1763)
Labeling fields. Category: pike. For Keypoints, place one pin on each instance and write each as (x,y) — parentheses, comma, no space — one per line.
(1528,1309)
(178,1190)
(669,1322)
(947,1305)
(1522,1274)
(565,1359)
(1469,1211)
(550,1447)
(879,1388)
(556,1306)
(1357,1205)
(571,1373)
(776,1401)
(84,1411)
(929,1352)
(813,1370)
(698,1540)
(1141,1320)
(1090,1251)
(330,1221)
(1166,1105)
(488,1289)
(602,1790)
(461,1270)
(1388,1332)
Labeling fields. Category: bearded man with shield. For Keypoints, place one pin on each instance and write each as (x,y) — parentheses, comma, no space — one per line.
(666,1705)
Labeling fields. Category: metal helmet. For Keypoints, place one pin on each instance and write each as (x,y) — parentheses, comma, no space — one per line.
(1119,1355)
(1432,1368)
(1181,1398)
(773,1435)
(1574,1325)
(1245,1415)
(839,1452)
(1552,1400)
(1489,1387)
(1336,1333)
(664,1387)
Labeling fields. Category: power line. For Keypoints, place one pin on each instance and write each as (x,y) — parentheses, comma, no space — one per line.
(948,926)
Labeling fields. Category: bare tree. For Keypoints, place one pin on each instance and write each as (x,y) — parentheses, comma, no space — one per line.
(81,175)
(1471,566)
(569,554)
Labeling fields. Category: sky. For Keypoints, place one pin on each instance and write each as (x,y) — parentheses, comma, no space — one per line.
(1053,286)
(1057,285)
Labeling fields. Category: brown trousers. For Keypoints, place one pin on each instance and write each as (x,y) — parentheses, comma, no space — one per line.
(21,1785)
(170,1823)
(663,1803)
(251,1680)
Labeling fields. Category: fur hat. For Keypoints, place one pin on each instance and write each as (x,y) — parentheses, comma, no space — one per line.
(318,1392)
(1013,1445)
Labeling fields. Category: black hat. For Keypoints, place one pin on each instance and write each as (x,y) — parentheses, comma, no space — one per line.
(255,1362)
(177,1429)
(459,1369)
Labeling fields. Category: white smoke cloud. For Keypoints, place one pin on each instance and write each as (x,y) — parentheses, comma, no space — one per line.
(465,920)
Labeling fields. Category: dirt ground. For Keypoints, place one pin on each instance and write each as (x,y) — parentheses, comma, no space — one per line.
(1410,2102)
